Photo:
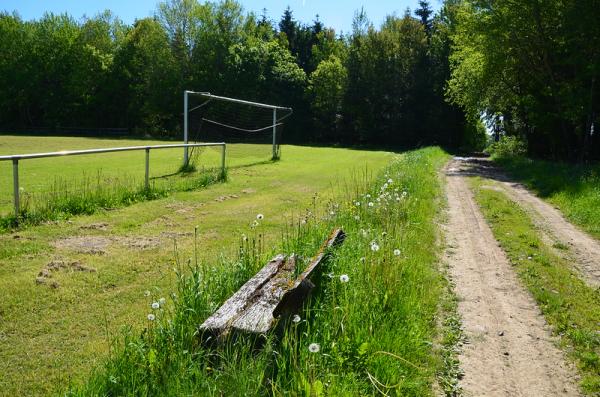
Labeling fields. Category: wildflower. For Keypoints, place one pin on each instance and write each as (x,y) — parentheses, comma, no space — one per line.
(151,317)
(356,217)
(385,186)
(260,217)
(371,204)
(390,180)
(344,278)
(397,252)
(303,222)
(368,196)
(155,305)
(146,293)
(374,246)
(314,348)
(162,301)
(296,318)
(357,203)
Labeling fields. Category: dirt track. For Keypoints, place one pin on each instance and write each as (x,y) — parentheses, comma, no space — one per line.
(584,251)
(509,350)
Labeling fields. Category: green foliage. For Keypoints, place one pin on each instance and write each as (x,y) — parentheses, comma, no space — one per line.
(571,306)
(537,64)
(506,147)
(382,86)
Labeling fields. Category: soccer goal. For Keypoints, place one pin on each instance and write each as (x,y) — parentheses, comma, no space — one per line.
(209,117)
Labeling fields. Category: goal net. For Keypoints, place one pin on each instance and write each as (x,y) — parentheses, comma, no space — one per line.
(253,131)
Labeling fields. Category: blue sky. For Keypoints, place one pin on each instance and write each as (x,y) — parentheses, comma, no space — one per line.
(337,14)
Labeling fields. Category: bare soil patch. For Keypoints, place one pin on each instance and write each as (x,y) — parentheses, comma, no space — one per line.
(92,245)
(509,350)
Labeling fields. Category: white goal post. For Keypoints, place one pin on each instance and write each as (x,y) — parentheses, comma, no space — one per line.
(209,96)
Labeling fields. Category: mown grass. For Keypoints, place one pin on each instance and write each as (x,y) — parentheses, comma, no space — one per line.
(375,332)
(52,336)
(574,189)
(570,306)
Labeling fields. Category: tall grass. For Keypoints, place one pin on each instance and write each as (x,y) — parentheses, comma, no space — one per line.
(91,193)
(372,318)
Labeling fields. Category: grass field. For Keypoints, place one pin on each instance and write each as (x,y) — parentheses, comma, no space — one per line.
(373,326)
(54,332)
(55,188)
(570,306)
(574,189)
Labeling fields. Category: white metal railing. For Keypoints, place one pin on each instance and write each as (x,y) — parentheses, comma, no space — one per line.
(15,160)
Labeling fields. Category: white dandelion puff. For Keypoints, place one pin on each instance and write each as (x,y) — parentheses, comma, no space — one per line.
(155,305)
(146,293)
(151,317)
(260,217)
(314,348)
(390,180)
(368,196)
(374,247)
(344,278)
(296,318)
(357,203)
(371,204)
(162,301)
(397,252)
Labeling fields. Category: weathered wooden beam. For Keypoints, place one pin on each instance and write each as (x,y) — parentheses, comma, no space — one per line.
(272,292)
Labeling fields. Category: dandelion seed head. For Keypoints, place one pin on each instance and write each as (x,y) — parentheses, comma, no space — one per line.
(296,318)
(374,247)
(344,278)
(155,305)
(390,180)
(162,301)
(314,348)
(260,217)
(397,252)
(151,317)
(357,203)
(371,204)
(146,293)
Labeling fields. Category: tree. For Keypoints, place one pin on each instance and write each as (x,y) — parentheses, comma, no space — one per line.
(327,86)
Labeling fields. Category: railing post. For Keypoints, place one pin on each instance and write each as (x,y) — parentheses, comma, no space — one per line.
(223,148)
(185,128)
(16,187)
(275,134)
(147,178)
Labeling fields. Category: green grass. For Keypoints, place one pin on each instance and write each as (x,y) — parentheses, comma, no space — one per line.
(570,306)
(51,337)
(57,188)
(376,332)
(574,189)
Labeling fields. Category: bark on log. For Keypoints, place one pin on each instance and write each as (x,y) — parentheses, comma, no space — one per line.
(272,292)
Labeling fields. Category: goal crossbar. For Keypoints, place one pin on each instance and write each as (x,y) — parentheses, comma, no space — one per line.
(210,97)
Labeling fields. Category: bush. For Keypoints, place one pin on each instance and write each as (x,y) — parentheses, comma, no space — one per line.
(507,146)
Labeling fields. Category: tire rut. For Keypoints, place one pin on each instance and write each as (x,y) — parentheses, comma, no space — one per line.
(509,350)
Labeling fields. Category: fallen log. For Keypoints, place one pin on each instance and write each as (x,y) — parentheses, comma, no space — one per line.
(272,293)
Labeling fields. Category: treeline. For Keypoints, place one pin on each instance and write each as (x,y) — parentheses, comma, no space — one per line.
(533,68)
(382,85)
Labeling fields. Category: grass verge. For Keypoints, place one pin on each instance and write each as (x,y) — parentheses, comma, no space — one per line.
(568,303)
(575,189)
(374,332)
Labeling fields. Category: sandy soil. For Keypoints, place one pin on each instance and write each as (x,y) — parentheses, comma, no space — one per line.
(584,251)
(509,350)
